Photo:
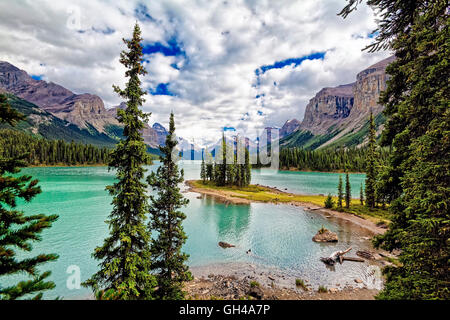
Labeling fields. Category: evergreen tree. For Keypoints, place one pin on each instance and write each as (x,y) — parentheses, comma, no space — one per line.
(18,230)
(203,170)
(329,203)
(340,193)
(169,262)
(418,130)
(125,255)
(361,195)
(348,191)
(248,169)
(210,171)
(371,174)
(222,167)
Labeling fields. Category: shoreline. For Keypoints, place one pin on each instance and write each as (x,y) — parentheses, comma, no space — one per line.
(285,169)
(233,197)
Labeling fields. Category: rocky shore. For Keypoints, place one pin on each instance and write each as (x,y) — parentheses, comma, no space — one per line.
(222,287)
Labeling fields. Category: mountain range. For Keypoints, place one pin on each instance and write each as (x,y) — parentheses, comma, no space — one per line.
(338,116)
(85,113)
(334,117)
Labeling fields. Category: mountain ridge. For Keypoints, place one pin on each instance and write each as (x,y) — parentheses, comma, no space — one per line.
(86,111)
(337,116)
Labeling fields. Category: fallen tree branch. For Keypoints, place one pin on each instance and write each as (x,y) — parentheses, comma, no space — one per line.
(335,256)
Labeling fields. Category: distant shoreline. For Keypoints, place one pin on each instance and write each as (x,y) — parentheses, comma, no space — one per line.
(307,170)
(65,166)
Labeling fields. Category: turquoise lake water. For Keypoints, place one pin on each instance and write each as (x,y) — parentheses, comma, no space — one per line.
(278,235)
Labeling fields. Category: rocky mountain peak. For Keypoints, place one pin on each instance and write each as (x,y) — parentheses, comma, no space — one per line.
(7,67)
(289,127)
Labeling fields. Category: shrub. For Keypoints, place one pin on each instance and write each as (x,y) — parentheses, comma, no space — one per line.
(322,230)
(329,203)
(300,283)
(322,289)
(254,284)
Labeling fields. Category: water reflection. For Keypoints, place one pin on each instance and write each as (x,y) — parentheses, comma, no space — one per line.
(231,221)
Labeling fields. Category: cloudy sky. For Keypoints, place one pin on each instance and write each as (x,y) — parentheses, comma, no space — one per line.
(244,64)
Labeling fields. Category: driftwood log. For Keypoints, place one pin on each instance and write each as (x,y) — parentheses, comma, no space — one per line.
(353,259)
(365,254)
(335,256)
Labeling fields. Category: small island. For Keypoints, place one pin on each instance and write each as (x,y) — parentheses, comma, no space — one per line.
(373,220)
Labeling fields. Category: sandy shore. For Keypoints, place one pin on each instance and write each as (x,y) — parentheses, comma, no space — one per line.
(232,197)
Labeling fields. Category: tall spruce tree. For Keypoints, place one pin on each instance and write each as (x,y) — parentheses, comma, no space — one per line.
(222,177)
(203,169)
(371,161)
(168,262)
(17,230)
(247,169)
(418,130)
(125,255)
(348,191)
(340,193)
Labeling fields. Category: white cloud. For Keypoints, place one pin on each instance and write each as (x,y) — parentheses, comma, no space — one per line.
(224,43)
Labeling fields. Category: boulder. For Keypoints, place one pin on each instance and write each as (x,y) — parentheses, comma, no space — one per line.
(324,235)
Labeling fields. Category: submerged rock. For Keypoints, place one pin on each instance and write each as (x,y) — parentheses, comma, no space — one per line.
(226,245)
(325,235)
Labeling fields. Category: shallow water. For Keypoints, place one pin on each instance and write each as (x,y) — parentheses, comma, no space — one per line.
(279,236)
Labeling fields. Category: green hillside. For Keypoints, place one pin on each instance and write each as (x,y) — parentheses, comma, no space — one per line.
(307,141)
(43,124)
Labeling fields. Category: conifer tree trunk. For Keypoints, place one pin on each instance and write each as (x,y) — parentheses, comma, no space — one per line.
(371,166)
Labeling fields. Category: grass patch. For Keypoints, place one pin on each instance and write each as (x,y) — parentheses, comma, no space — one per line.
(301,284)
(322,289)
(265,194)
(254,284)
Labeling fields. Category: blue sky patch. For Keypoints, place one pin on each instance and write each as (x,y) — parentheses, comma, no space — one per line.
(172,48)
(373,34)
(162,89)
(290,61)
(37,77)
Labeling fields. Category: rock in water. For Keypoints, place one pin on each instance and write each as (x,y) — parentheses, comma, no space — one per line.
(324,235)
(226,245)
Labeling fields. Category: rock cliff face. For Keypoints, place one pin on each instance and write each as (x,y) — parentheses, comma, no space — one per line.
(369,85)
(340,113)
(328,107)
